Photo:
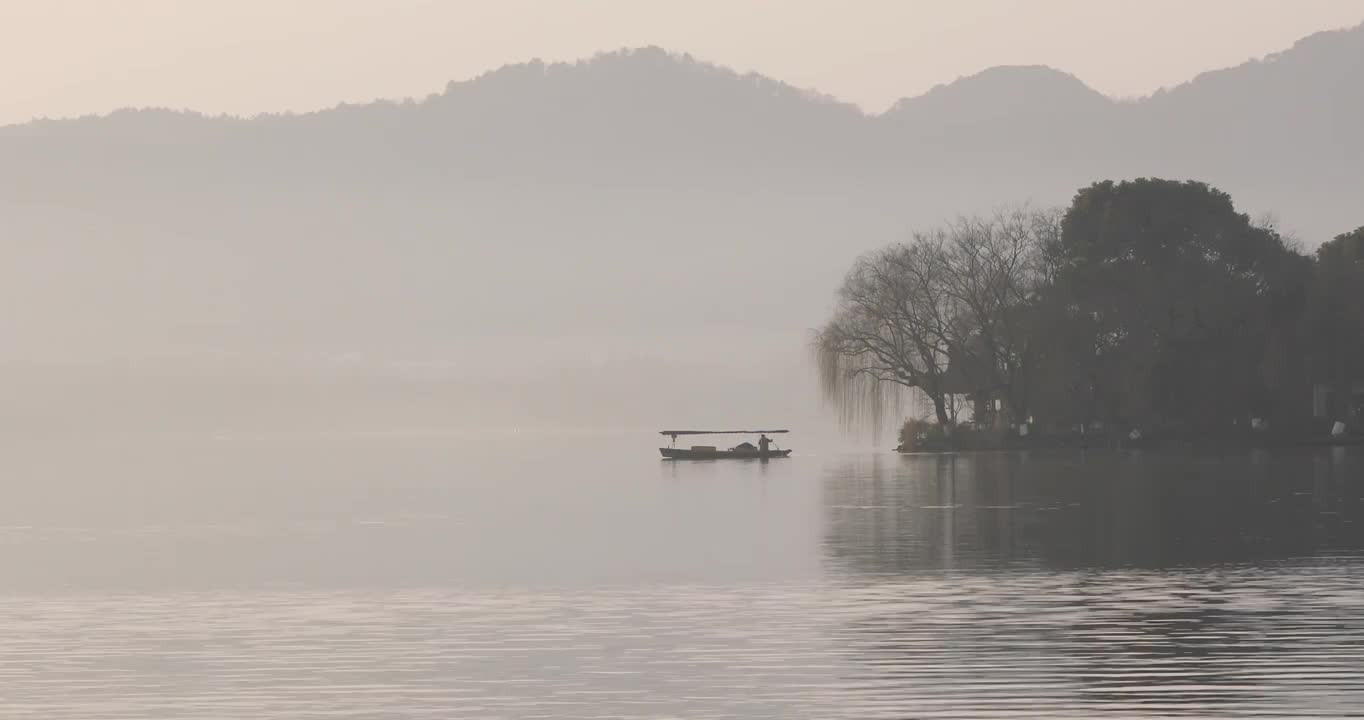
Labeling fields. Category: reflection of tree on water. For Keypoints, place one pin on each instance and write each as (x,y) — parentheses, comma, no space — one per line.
(1099,583)
(1170,510)
(917,513)
(1195,639)
(1133,643)
(1172,651)
(930,512)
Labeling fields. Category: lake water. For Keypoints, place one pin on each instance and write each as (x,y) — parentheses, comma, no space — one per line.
(438,576)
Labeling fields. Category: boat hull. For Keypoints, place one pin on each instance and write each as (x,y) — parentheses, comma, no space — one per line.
(689,454)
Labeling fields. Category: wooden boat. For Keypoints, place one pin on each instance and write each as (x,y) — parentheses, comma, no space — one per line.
(743,451)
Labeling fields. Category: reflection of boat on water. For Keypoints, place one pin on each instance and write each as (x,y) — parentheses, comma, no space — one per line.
(743,451)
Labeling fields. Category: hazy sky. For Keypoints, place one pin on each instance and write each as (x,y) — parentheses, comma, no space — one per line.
(71,57)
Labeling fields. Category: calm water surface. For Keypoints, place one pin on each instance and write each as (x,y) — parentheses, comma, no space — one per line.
(429,576)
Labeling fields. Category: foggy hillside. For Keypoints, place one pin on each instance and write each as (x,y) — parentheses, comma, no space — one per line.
(635,238)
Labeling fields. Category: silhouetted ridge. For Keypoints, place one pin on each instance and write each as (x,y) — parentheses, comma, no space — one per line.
(1006,90)
(1014,116)
(645,109)
(649,70)
(1341,50)
(639,189)
(1298,111)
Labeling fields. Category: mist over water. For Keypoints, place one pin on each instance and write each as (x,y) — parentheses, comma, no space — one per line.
(354,413)
(548,243)
(577,576)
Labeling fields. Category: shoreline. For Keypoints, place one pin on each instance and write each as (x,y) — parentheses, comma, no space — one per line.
(1145,443)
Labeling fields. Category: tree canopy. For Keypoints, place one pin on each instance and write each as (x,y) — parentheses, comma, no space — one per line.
(1176,290)
(1147,303)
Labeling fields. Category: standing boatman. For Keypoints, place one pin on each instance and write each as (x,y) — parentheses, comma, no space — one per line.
(763,444)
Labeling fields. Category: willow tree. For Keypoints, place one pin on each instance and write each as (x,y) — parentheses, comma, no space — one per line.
(891,330)
(948,310)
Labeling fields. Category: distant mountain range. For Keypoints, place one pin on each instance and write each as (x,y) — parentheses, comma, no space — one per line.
(653,111)
(639,193)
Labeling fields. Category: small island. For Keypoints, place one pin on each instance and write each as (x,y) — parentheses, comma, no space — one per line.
(1147,313)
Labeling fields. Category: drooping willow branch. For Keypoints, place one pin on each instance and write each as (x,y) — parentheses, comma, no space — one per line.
(932,315)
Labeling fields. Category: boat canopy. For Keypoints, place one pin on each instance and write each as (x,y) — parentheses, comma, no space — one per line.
(675,433)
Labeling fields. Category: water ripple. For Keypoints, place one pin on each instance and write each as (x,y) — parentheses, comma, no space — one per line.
(1025,644)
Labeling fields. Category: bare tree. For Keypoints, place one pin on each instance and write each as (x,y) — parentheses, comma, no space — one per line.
(891,330)
(951,304)
(996,265)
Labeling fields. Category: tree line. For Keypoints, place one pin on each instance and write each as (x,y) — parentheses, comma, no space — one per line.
(1149,304)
